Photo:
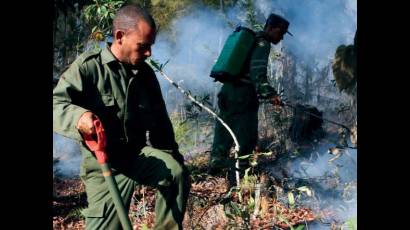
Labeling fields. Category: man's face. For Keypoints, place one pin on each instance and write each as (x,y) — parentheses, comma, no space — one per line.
(136,44)
(276,34)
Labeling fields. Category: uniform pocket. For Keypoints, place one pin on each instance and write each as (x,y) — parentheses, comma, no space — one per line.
(110,114)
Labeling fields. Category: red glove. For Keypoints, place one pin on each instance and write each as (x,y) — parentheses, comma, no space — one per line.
(277,102)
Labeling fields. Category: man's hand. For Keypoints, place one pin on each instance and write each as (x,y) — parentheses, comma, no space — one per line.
(85,124)
(276,101)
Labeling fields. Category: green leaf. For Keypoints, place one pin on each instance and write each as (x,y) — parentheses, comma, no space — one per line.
(246,177)
(286,221)
(236,208)
(244,157)
(144,227)
(251,203)
(103,9)
(230,216)
(163,65)
(267,153)
(351,223)
(101,20)
(306,190)
(300,227)
(153,63)
(291,199)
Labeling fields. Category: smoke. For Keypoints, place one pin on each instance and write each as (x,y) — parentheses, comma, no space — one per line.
(66,153)
(191,48)
(318,26)
(194,41)
(333,181)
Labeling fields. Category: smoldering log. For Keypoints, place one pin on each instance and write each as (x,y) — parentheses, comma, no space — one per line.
(306,124)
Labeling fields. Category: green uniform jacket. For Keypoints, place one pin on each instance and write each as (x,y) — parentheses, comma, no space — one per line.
(128,104)
(258,64)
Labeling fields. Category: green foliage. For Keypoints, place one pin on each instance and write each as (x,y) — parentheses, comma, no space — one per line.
(251,15)
(157,66)
(144,227)
(99,17)
(282,218)
(68,34)
(181,129)
(164,11)
(306,190)
(65,7)
(251,204)
(291,199)
(216,4)
(300,227)
(295,195)
(351,224)
(234,210)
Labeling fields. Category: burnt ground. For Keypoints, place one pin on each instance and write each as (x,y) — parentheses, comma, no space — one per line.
(210,205)
(68,201)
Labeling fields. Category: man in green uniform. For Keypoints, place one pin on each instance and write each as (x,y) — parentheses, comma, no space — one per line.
(238,100)
(115,85)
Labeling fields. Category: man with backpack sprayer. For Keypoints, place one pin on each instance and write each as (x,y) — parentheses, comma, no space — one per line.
(242,68)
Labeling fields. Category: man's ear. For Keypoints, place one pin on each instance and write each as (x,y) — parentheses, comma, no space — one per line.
(119,35)
(267,28)
(271,28)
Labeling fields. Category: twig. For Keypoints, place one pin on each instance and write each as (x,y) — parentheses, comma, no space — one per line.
(143,202)
(187,94)
(257,199)
(334,158)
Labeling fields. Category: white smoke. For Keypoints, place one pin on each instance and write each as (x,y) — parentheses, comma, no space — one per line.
(194,41)
(333,181)
(318,26)
(67,153)
(191,48)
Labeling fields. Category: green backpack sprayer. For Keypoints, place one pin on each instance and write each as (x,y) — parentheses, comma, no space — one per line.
(233,55)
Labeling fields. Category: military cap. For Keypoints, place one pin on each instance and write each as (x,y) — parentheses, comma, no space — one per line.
(276,20)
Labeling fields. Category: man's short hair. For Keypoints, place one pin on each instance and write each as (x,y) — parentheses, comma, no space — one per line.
(275,20)
(128,16)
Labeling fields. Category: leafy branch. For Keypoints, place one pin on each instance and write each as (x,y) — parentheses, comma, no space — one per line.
(99,17)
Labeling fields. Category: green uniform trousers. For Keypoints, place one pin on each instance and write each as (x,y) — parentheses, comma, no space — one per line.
(151,167)
(238,106)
